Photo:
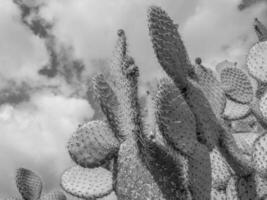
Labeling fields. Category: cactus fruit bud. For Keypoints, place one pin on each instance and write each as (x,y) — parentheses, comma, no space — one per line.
(257,61)
(87,183)
(92,144)
(237,85)
(29,184)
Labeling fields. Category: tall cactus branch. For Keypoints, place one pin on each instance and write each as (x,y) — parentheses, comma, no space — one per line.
(163,36)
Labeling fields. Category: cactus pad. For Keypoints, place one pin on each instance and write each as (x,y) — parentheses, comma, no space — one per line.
(261,185)
(29,184)
(218,194)
(54,195)
(208,128)
(211,89)
(236,84)
(235,111)
(220,170)
(200,172)
(167,44)
(87,183)
(257,61)
(92,144)
(174,117)
(259,155)
(108,102)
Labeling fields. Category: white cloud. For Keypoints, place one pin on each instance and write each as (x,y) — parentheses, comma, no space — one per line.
(37,132)
(218,31)
(21,53)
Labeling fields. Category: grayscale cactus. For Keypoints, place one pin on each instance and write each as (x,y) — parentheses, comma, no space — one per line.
(199,137)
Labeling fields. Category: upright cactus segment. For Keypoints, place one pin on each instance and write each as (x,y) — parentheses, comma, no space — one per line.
(199,170)
(174,118)
(237,85)
(29,184)
(168,46)
(144,169)
(257,61)
(123,81)
(87,183)
(108,102)
(260,30)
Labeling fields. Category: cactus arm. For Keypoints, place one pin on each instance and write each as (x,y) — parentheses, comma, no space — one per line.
(108,102)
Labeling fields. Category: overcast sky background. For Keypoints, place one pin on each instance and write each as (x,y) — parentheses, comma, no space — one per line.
(49,49)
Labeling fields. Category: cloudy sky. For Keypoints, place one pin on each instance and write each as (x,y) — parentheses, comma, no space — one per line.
(50,48)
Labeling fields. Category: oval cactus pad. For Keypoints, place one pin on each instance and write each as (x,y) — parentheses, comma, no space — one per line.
(87,183)
(92,144)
